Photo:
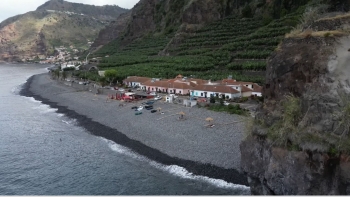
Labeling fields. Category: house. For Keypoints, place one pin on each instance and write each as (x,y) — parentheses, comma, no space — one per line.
(101,73)
(179,85)
(257,90)
(63,66)
(248,88)
(221,91)
(135,81)
(226,88)
(170,86)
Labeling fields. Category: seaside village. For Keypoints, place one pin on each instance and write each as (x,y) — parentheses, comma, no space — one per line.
(182,90)
(198,89)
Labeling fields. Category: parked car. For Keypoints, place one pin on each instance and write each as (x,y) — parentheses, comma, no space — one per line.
(138,113)
(153,111)
(226,103)
(121,89)
(158,98)
(148,92)
(153,93)
(139,108)
(149,103)
(148,107)
(134,107)
(138,89)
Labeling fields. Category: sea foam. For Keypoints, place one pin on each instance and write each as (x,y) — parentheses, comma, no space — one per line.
(173,169)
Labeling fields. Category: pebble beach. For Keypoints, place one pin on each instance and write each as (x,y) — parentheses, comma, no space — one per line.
(163,137)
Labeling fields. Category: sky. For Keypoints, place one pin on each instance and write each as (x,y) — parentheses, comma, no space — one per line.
(10,8)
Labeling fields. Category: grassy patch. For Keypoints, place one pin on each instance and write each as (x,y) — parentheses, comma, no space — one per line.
(283,131)
(231,109)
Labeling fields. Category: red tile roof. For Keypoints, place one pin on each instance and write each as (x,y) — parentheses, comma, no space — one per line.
(169,84)
(228,81)
(137,79)
(257,88)
(216,88)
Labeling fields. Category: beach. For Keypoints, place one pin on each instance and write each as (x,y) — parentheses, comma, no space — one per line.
(212,152)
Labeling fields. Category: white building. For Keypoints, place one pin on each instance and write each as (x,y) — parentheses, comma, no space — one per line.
(220,91)
(135,81)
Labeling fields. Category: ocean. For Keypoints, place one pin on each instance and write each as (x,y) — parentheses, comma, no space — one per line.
(43,152)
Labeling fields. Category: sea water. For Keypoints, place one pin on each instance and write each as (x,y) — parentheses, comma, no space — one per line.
(43,152)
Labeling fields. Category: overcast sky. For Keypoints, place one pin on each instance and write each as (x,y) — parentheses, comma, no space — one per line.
(10,8)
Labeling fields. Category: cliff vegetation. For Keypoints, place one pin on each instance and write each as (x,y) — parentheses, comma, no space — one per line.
(206,39)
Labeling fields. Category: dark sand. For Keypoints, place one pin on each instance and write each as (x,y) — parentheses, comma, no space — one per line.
(212,152)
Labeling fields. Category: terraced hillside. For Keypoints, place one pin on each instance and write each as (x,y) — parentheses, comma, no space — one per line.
(231,46)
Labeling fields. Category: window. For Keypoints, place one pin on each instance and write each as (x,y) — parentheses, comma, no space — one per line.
(201,94)
(196,93)
(152,88)
(171,91)
(237,88)
(179,92)
(246,85)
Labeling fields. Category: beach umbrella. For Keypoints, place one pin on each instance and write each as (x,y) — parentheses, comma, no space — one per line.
(182,114)
(209,119)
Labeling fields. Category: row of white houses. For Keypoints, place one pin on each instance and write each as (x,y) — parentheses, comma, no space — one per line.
(226,88)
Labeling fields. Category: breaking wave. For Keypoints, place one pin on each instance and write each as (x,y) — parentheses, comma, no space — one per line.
(173,169)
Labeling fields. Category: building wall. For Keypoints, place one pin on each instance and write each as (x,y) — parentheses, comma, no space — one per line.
(246,94)
(199,93)
(182,91)
(257,93)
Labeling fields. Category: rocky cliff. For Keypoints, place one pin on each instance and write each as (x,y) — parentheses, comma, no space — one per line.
(36,34)
(299,141)
(112,31)
(181,18)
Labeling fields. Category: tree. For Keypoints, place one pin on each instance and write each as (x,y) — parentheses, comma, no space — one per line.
(64,75)
(212,99)
(57,73)
(111,75)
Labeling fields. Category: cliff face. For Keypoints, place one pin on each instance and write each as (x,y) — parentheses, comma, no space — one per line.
(299,141)
(277,171)
(112,31)
(180,18)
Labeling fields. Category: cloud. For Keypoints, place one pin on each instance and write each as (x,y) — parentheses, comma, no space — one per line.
(11,8)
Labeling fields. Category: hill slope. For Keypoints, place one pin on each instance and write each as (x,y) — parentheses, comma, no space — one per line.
(207,39)
(100,12)
(36,33)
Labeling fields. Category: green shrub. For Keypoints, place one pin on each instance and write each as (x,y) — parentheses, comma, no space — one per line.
(212,99)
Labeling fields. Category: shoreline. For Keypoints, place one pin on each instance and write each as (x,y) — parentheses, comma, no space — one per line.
(39,89)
